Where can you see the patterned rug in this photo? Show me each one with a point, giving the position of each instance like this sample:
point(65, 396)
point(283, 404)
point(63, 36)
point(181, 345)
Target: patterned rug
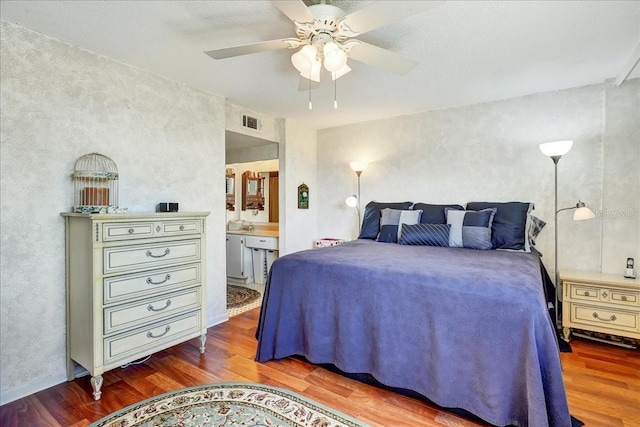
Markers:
point(238, 296)
point(228, 404)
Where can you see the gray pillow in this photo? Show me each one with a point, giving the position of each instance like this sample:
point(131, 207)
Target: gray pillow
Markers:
point(470, 229)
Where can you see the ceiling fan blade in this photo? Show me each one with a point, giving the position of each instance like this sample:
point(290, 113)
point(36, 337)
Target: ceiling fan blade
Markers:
point(380, 13)
point(306, 84)
point(246, 49)
point(381, 58)
point(295, 10)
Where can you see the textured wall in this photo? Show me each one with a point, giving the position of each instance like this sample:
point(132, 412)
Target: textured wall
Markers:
point(489, 152)
point(58, 103)
point(298, 164)
point(621, 177)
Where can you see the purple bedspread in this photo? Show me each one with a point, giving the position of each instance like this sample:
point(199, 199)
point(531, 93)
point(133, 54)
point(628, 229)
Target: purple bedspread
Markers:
point(465, 328)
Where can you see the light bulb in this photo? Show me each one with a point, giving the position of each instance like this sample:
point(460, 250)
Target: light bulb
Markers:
point(352, 201)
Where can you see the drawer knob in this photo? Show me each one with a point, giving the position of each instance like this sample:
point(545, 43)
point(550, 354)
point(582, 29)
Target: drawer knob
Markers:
point(158, 228)
point(604, 294)
point(151, 255)
point(182, 228)
point(166, 331)
point(586, 293)
point(152, 308)
point(151, 282)
point(131, 231)
point(610, 319)
point(623, 298)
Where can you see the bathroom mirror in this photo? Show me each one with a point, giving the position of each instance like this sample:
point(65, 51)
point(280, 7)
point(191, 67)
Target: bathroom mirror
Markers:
point(252, 195)
point(230, 190)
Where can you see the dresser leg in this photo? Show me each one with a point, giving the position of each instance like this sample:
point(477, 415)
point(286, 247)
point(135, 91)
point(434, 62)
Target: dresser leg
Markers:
point(566, 332)
point(203, 339)
point(96, 383)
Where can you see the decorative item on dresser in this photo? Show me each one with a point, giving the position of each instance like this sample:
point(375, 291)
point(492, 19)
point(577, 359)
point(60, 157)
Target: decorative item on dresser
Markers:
point(607, 304)
point(135, 285)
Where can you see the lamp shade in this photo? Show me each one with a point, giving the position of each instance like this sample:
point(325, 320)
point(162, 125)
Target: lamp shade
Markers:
point(582, 212)
point(341, 72)
point(351, 201)
point(556, 148)
point(314, 72)
point(304, 58)
point(334, 57)
point(358, 166)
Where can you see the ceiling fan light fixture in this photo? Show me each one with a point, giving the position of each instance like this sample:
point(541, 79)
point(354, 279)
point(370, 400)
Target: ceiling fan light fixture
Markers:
point(305, 58)
point(341, 72)
point(314, 71)
point(334, 57)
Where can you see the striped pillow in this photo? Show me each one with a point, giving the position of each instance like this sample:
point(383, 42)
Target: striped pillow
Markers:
point(425, 234)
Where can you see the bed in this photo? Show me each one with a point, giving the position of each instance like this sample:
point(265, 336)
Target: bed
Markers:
point(465, 328)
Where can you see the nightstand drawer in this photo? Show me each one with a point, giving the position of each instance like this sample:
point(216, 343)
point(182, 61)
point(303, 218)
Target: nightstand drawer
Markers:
point(625, 297)
point(605, 317)
point(150, 256)
point(584, 292)
point(127, 316)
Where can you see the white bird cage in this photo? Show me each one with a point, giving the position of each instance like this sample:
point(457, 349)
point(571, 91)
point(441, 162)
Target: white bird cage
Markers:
point(95, 184)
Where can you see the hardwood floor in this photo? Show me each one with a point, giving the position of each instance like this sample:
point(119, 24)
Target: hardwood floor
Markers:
point(602, 382)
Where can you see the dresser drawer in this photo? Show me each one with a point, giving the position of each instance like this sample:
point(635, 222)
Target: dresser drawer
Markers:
point(126, 316)
point(605, 317)
point(151, 338)
point(139, 285)
point(114, 231)
point(137, 257)
point(176, 228)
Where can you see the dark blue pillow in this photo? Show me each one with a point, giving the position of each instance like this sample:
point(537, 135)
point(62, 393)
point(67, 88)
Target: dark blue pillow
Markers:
point(371, 218)
point(425, 234)
point(388, 234)
point(509, 230)
point(434, 214)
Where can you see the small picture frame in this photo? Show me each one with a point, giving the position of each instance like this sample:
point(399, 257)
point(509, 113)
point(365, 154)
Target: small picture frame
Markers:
point(303, 196)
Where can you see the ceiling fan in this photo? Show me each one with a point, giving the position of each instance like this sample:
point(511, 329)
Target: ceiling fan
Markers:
point(325, 34)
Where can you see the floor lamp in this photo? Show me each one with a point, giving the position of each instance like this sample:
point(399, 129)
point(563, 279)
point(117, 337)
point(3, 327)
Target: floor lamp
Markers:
point(555, 150)
point(354, 201)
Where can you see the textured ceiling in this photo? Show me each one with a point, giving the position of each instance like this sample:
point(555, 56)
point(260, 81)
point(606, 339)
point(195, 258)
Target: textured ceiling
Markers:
point(468, 51)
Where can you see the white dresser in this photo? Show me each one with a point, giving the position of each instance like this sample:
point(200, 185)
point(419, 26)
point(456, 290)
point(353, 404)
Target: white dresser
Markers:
point(604, 303)
point(135, 285)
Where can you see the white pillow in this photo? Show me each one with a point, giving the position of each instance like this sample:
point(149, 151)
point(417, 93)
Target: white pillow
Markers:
point(408, 217)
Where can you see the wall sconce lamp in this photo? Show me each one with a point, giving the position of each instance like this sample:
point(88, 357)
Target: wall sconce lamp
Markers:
point(555, 150)
point(354, 201)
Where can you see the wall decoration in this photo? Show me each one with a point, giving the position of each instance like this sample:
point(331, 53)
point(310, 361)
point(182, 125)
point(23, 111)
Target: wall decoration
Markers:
point(303, 196)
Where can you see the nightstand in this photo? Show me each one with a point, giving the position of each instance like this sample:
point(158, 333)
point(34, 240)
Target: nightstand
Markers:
point(604, 303)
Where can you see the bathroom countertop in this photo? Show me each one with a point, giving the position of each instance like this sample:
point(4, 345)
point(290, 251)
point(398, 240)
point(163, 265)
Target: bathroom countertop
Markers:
point(256, 232)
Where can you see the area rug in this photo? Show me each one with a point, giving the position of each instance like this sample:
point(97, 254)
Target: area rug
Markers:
point(228, 404)
point(237, 296)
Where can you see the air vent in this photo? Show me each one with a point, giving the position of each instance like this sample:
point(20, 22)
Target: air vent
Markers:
point(251, 122)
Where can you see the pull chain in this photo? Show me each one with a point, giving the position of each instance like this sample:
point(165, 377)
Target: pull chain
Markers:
point(335, 91)
point(310, 105)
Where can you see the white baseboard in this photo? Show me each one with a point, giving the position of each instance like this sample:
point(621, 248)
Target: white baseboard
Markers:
point(25, 390)
point(8, 396)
